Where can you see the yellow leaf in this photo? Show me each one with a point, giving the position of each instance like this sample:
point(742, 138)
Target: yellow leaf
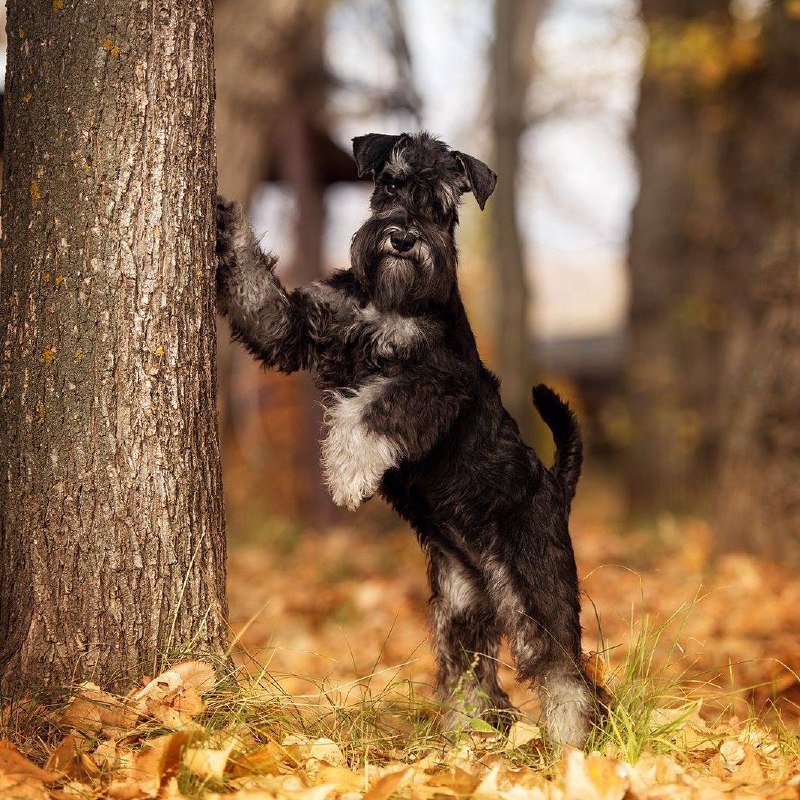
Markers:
point(488, 788)
point(21, 788)
point(208, 763)
point(161, 756)
point(93, 710)
point(387, 785)
point(196, 675)
point(325, 750)
point(344, 779)
point(521, 733)
point(749, 770)
point(72, 761)
point(266, 760)
point(13, 764)
point(593, 778)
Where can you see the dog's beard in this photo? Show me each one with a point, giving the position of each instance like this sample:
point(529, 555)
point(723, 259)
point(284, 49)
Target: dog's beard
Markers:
point(395, 281)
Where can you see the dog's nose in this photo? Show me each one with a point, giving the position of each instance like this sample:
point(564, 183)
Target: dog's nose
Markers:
point(402, 241)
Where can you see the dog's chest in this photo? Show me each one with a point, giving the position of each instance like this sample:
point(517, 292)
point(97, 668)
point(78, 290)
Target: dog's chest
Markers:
point(391, 334)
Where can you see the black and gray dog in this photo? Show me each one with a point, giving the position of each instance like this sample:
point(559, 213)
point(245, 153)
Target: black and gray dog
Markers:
point(411, 412)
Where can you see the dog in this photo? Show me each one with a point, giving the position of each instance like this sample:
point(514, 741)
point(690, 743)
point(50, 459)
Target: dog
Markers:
point(412, 413)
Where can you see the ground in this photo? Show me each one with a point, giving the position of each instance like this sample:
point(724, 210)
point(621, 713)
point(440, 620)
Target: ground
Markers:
point(331, 694)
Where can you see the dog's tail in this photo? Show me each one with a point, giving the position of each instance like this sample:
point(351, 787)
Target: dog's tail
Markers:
point(566, 433)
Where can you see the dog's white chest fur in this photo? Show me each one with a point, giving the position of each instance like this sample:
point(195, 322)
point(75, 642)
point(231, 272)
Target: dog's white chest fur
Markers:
point(355, 458)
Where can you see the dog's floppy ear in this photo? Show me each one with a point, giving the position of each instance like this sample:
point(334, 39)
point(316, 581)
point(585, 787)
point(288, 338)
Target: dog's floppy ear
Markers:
point(480, 179)
point(373, 151)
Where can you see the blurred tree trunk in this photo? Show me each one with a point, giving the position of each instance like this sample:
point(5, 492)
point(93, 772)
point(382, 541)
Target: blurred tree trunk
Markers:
point(513, 64)
point(272, 84)
point(676, 316)
point(252, 65)
point(758, 506)
point(112, 541)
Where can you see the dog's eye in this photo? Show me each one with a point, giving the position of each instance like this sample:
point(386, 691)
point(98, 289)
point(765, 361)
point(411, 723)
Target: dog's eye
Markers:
point(393, 184)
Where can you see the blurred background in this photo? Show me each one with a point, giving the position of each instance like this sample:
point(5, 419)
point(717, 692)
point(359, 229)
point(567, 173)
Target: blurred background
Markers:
point(640, 253)
point(640, 249)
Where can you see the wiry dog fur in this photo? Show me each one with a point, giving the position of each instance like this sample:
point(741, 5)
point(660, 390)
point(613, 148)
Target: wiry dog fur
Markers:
point(412, 413)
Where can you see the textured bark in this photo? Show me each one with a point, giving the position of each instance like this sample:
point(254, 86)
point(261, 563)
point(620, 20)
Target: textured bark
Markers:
point(758, 506)
point(112, 542)
point(512, 71)
point(676, 314)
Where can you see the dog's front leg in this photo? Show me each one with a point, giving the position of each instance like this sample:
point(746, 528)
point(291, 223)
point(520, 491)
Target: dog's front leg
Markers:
point(355, 456)
point(279, 328)
point(389, 419)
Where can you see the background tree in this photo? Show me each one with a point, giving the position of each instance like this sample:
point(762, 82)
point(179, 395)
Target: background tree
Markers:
point(758, 502)
point(676, 314)
point(512, 68)
point(112, 542)
point(715, 373)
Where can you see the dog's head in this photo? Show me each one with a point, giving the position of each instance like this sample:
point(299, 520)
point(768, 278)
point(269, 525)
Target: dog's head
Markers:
point(405, 253)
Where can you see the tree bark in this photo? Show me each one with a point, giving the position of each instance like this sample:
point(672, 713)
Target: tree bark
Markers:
point(112, 542)
point(758, 504)
point(512, 71)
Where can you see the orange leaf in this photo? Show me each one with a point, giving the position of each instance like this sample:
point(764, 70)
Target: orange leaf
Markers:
point(72, 761)
point(14, 764)
point(196, 675)
point(388, 785)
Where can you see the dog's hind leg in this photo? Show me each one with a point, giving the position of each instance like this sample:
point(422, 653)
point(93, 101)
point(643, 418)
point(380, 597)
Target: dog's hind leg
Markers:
point(540, 612)
point(466, 639)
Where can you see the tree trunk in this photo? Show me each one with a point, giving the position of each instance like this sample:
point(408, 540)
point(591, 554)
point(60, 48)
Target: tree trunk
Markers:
point(676, 315)
point(112, 543)
point(758, 506)
point(512, 71)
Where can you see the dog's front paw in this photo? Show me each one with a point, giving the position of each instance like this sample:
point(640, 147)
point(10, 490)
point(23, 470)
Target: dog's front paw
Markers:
point(351, 479)
point(230, 217)
point(349, 496)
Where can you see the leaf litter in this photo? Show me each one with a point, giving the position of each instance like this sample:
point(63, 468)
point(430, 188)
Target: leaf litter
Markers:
point(705, 696)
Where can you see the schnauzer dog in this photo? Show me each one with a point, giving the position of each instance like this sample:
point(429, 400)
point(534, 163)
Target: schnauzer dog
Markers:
point(412, 412)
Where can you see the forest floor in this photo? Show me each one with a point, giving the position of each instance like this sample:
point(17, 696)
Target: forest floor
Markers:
point(331, 697)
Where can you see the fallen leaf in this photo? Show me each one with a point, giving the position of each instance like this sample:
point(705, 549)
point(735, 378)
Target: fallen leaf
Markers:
point(732, 753)
point(207, 762)
point(158, 688)
point(749, 770)
point(593, 778)
point(304, 749)
point(13, 764)
point(521, 733)
point(20, 787)
point(488, 788)
point(70, 759)
point(344, 779)
point(160, 757)
point(388, 784)
point(266, 760)
point(196, 675)
point(92, 710)
point(133, 789)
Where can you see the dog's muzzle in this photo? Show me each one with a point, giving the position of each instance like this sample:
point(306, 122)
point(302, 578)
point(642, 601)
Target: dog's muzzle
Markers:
point(402, 241)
